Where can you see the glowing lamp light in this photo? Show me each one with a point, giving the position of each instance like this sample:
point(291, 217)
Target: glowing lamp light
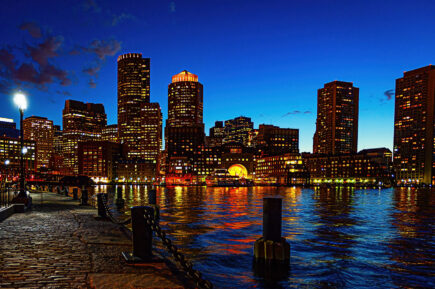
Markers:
point(24, 151)
point(7, 162)
point(20, 100)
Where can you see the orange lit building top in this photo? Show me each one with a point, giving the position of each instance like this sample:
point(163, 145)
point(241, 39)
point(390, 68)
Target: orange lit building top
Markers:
point(185, 76)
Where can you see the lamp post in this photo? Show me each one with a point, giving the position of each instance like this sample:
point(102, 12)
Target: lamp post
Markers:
point(21, 101)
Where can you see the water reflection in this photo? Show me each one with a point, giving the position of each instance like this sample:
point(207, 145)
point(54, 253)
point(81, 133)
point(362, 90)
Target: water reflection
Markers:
point(340, 237)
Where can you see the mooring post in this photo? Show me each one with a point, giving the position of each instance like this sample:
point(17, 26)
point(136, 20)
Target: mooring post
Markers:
point(84, 196)
point(66, 191)
point(272, 248)
point(119, 200)
point(101, 208)
point(142, 236)
point(152, 200)
point(75, 194)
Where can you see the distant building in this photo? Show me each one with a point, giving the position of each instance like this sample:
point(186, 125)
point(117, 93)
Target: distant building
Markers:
point(285, 169)
point(414, 134)
point(238, 130)
point(217, 134)
point(133, 92)
point(8, 128)
point(185, 100)
point(81, 122)
point(150, 140)
point(57, 139)
point(137, 171)
point(273, 140)
point(337, 119)
point(110, 133)
point(368, 167)
point(98, 159)
point(10, 149)
point(40, 130)
point(184, 131)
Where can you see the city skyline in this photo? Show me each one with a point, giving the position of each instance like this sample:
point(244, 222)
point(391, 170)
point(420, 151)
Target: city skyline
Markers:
point(290, 80)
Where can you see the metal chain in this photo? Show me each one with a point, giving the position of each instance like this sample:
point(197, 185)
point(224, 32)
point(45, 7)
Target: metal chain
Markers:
point(179, 257)
point(109, 213)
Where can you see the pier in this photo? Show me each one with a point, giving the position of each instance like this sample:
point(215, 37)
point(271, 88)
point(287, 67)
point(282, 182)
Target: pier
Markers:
point(62, 244)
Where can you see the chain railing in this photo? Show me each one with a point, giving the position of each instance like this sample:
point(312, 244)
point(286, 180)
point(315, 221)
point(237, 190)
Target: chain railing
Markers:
point(110, 215)
point(186, 265)
point(179, 257)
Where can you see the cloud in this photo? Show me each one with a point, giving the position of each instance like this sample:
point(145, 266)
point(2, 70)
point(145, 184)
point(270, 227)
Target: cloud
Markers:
point(389, 94)
point(37, 68)
point(66, 93)
point(307, 112)
point(45, 50)
point(92, 83)
point(93, 71)
point(7, 59)
point(172, 7)
point(91, 5)
point(116, 19)
point(104, 48)
point(32, 28)
point(291, 113)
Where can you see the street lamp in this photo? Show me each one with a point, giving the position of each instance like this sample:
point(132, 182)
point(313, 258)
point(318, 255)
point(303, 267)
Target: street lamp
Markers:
point(21, 101)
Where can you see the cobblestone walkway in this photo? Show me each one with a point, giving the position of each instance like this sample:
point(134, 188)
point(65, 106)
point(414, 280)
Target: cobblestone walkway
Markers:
point(60, 244)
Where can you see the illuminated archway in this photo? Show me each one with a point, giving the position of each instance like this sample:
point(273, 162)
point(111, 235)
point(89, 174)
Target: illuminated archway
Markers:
point(238, 170)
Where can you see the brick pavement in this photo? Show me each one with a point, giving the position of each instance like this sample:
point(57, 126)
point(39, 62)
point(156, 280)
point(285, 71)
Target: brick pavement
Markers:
point(62, 245)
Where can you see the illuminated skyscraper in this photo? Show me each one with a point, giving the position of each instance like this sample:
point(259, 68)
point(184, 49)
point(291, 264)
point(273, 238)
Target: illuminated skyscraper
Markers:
point(150, 141)
point(337, 119)
point(184, 131)
point(238, 130)
point(133, 91)
point(110, 133)
point(185, 100)
point(414, 137)
point(81, 122)
point(40, 130)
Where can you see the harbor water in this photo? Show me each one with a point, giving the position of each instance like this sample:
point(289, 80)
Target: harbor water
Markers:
point(339, 237)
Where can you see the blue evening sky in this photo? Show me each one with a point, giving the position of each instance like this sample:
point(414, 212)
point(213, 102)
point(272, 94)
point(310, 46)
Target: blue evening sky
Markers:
point(262, 59)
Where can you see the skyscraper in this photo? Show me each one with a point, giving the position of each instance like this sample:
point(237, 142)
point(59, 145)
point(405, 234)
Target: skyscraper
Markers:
point(150, 141)
point(81, 122)
point(337, 119)
point(40, 130)
point(133, 91)
point(238, 129)
point(185, 100)
point(414, 137)
point(184, 131)
point(110, 133)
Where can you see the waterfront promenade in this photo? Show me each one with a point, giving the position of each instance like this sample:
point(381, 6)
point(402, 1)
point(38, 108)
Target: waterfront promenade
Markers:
point(61, 244)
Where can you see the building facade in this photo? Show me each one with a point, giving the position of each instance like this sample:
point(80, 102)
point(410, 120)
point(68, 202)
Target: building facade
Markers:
point(10, 151)
point(414, 134)
point(184, 130)
point(40, 130)
point(368, 167)
point(133, 91)
point(238, 130)
point(150, 141)
point(286, 169)
point(81, 122)
point(98, 160)
point(337, 119)
point(8, 128)
point(272, 140)
point(110, 133)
